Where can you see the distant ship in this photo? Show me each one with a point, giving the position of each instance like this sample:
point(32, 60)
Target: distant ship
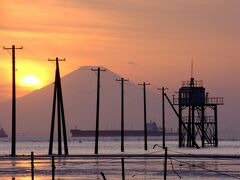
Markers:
point(3, 133)
point(152, 130)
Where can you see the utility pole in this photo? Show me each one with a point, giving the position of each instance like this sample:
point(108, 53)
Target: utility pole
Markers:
point(165, 163)
point(163, 115)
point(58, 99)
point(145, 113)
point(98, 70)
point(13, 48)
point(123, 169)
point(122, 112)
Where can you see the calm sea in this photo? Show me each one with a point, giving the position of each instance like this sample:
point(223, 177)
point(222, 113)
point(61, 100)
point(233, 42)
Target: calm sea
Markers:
point(135, 167)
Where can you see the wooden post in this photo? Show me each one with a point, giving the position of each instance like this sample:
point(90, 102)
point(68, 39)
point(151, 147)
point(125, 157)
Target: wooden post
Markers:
point(97, 112)
point(165, 164)
point(203, 125)
point(145, 118)
point(216, 125)
point(104, 178)
point(123, 169)
point(122, 80)
point(13, 103)
point(145, 114)
point(13, 149)
point(163, 118)
point(122, 116)
point(53, 168)
point(53, 119)
point(58, 101)
point(98, 70)
point(180, 144)
point(32, 165)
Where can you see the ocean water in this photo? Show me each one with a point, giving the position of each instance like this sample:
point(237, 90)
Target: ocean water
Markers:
point(79, 167)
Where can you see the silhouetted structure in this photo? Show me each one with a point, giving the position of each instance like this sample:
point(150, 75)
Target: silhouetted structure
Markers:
point(197, 115)
point(58, 100)
point(145, 113)
point(98, 70)
point(123, 168)
point(165, 163)
point(122, 112)
point(163, 116)
point(13, 48)
point(32, 165)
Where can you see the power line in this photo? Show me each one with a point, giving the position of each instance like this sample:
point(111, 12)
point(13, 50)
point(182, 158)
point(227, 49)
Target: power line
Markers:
point(180, 177)
point(8, 51)
point(74, 64)
point(210, 170)
point(34, 54)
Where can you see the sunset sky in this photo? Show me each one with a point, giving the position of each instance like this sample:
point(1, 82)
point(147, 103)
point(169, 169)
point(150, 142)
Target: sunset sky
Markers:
point(152, 41)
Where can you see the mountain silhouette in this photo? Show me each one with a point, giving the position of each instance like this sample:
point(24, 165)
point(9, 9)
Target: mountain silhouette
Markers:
point(79, 96)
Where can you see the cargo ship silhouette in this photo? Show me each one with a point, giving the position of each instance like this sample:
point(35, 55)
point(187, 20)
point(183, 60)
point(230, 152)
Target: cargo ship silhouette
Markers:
point(3, 134)
point(152, 130)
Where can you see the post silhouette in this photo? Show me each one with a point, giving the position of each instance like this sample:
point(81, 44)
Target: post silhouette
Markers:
point(32, 165)
point(216, 125)
point(98, 70)
point(58, 100)
point(123, 169)
point(103, 176)
point(163, 116)
point(53, 168)
point(13, 150)
point(181, 123)
point(122, 112)
point(145, 113)
point(165, 163)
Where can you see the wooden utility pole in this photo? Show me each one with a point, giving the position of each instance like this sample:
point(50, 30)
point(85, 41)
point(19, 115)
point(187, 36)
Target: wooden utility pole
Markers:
point(165, 163)
point(163, 116)
point(98, 70)
point(145, 113)
point(122, 112)
point(58, 99)
point(32, 165)
point(53, 168)
point(13, 48)
point(123, 169)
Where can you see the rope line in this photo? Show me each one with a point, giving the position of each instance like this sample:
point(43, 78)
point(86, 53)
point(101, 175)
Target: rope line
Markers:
point(210, 170)
point(180, 177)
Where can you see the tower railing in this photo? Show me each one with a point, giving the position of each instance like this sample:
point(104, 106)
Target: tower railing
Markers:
point(196, 83)
point(208, 101)
point(207, 119)
point(214, 100)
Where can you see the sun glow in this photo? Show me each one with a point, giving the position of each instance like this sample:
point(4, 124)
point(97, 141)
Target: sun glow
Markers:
point(31, 75)
point(31, 81)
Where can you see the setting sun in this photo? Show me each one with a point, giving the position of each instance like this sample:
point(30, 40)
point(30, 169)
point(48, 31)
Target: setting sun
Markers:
point(31, 75)
point(30, 81)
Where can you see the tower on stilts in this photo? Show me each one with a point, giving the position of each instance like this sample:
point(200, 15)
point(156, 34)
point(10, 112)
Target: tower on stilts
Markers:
point(198, 115)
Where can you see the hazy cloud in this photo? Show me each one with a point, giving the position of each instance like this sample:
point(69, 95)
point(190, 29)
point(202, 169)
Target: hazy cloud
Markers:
point(132, 63)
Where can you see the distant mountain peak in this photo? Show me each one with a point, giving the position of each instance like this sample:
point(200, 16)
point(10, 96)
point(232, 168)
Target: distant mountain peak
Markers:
point(89, 67)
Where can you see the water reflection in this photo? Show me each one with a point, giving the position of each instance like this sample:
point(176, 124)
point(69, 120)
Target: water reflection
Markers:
point(13, 167)
point(136, 168)
point(145, 168)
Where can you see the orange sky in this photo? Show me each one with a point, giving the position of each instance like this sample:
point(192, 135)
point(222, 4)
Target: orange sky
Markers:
point(142, 40)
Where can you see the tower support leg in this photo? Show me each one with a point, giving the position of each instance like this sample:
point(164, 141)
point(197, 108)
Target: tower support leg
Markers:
point(216, 126)
point(202, 125)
